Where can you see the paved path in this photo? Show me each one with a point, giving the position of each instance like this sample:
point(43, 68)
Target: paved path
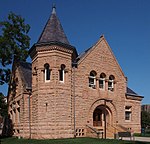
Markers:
point(146, 139)
point(143, 139)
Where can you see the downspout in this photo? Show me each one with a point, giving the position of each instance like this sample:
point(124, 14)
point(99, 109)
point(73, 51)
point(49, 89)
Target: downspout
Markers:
point(29, 110)
point(74, 98)
point(105, 119)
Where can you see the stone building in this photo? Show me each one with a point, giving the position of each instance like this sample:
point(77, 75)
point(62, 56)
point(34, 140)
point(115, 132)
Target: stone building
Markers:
point(146, 108)
point(63, 94)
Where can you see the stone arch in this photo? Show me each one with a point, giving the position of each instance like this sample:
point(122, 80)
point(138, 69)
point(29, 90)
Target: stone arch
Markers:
point(110, 108)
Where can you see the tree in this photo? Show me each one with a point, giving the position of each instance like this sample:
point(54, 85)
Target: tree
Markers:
point(145, 119)
point(3, 106)
point(14, 44)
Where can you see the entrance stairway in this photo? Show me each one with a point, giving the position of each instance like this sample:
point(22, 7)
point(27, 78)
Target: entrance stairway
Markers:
point(111, 131)
point(94, 132)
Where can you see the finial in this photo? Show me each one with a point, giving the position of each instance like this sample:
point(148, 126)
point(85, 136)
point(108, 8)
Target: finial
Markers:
point(54, 9)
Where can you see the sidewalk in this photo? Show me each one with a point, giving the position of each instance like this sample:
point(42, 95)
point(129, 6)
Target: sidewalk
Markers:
point(143, 139)
point(146, 139)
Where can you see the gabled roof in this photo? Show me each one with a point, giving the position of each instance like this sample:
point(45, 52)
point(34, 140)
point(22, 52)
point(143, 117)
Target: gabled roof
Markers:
point(26, 72)
point(130, 91)
point(53, 31)
point(82, 56)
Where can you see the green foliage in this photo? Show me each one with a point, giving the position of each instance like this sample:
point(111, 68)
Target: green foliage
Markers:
point(145, 119)
point(14, 44)
point(3, 106)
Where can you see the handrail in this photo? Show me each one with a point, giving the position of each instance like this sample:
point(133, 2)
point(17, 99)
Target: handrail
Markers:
point(117, 129)
point(113, 130)
point(124, 128)
point(97, 132)
point(92, 128)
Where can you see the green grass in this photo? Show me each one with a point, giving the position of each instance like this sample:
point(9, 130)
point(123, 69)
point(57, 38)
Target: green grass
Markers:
point(142, 134)
point(67, 141)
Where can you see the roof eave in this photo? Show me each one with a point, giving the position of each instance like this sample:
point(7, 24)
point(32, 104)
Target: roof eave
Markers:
point(54, 43)
point(133, 96)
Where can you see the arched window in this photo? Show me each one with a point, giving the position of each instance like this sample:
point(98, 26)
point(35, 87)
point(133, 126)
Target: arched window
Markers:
point(102, 81)
point(47, 72)
point(62, 73)
point(111, 83)
point(92, 79)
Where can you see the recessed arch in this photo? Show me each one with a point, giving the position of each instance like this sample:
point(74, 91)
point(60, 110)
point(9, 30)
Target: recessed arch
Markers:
point(111, 109)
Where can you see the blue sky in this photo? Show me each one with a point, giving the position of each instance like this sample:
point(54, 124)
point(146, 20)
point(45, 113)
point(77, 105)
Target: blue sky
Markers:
point(124, 23)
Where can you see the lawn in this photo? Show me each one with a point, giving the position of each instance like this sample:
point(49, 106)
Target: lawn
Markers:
point(67, 141)
point(142, 135)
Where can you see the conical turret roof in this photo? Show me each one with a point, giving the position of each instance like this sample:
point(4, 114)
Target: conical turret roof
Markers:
point(53, 31)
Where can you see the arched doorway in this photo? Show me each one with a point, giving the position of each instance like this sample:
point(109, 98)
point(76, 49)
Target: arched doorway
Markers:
point(99, 116)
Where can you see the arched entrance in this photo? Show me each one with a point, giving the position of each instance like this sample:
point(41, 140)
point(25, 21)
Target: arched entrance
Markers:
point(99, 116)
point(102, 117)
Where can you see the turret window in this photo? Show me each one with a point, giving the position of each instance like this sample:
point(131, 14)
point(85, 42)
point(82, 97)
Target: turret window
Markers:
point(62, 73)
point(47, 72)
point(92, 79)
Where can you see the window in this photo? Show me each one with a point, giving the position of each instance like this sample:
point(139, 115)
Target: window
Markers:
point(111, 83)
point(18, 112)
point(47, 72)
point(18, 115)
point(92, 79)
point(102, 81)
point(62, 73)
point(14, 116)
point(128, 113)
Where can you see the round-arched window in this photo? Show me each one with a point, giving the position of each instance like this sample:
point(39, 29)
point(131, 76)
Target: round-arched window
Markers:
point(47, 72)
point(102, 80)
point(111, 83)
point(62, 73)
point(92, 79)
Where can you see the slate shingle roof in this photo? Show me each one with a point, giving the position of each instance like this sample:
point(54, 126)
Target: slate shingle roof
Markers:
point(80, 56)
point(53, 31)
point(26, 71)
point(129, 91)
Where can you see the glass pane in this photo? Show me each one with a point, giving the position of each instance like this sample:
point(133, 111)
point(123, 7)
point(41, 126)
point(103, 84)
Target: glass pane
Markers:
point(91, 81)
point(61, 75)
point(127, 115)
point(101, 84)
point(47, 74)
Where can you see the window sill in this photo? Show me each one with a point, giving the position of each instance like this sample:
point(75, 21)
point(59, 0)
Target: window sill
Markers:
point(103, 89)
point(110, 91)
point(92, 88)
point(127, 120)
point(46, 81)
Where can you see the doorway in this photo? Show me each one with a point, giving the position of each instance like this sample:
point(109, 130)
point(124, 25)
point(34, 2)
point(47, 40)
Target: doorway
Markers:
point(98, 116)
